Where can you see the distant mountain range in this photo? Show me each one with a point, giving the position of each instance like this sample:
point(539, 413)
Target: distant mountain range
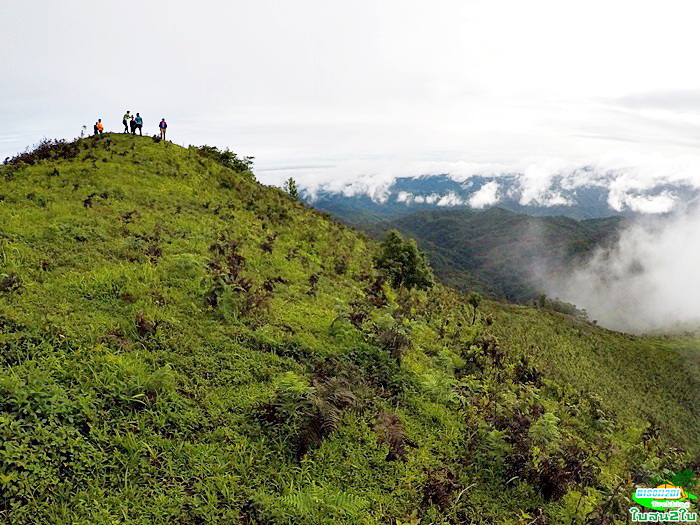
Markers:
point(582, 194)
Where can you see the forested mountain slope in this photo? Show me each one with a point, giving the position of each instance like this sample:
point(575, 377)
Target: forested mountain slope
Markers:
point(499, 252)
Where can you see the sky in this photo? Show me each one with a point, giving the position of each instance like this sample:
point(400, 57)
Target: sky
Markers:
point(315, 85)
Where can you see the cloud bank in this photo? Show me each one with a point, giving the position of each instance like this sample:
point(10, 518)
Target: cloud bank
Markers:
point(630, 181)
point(648, 281)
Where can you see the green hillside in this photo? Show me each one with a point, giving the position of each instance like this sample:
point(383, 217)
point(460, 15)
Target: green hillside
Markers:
point(180, 344)
point(499, 252)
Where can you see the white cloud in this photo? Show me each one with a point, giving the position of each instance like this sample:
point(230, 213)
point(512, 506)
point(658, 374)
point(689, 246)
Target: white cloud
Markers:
point(647, 281)
point(405, 196)
point(487, 195)
point(450, 199)
point(650, 204)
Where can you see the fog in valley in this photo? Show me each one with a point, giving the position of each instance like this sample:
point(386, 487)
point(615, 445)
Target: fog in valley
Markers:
point(649, 280)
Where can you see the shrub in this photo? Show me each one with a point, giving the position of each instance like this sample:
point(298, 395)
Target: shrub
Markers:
point(545, 431)
point(557, 305)
point(10, 283)
point(390, 432)
point(227, 158)
point(404, 263)
point(394, 338)
point(308, 413)
point(46, 149)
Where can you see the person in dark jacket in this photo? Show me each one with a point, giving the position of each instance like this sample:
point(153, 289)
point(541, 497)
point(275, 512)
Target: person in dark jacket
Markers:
point(139, 123)
point(162, 126)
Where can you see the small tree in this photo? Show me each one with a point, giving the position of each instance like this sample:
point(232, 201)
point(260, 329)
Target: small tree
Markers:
point(404, 263)
point(474, 300)
point(290, 186)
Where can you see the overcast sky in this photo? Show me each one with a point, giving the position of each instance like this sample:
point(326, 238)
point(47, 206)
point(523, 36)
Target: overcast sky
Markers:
point(330, 83)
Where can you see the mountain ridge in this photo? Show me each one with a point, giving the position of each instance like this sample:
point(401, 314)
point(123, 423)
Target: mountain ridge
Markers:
point(562, 194)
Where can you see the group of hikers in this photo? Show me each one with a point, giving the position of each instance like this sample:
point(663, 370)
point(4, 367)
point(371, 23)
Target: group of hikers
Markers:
point(131, 123)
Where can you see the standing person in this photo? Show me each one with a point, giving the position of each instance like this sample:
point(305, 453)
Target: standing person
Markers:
point(163, 126)
point(100, 126)
point(132, 124)
point(125, 121)
point(139, 123)
point(95, 129)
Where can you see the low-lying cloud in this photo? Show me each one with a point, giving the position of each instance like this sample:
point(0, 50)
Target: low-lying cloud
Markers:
point(630, 182)
point(648, 281)
point(487, 195)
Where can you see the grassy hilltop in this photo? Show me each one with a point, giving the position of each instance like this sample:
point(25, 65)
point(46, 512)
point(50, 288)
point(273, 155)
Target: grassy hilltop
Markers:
point(180, 344)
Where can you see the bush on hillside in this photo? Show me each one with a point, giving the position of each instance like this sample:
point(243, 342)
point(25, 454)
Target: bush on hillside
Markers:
point(227, 157)
point(404, 264)
point(557, 305)
point(46, 149)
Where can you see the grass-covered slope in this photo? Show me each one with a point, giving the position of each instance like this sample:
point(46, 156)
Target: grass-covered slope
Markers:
point(654, 378)
point(179, 344)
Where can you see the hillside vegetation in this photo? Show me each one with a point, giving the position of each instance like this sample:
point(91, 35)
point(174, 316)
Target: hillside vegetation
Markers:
point(179, 344)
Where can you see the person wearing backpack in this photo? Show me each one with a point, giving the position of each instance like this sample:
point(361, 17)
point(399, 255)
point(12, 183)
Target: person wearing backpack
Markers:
point(139, 123)
point(125, 121)
point(163, 126)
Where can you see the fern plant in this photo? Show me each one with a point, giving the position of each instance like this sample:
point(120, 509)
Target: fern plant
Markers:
point(318, 504)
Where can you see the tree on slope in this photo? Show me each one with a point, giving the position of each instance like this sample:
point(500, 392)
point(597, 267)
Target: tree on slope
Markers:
point(404, 264)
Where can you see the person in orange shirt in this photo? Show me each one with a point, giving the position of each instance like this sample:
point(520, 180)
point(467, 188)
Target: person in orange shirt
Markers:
point(100, 127)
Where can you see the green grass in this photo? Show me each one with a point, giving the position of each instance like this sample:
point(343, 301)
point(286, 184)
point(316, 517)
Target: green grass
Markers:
point(179, 344)
point(646, 378)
